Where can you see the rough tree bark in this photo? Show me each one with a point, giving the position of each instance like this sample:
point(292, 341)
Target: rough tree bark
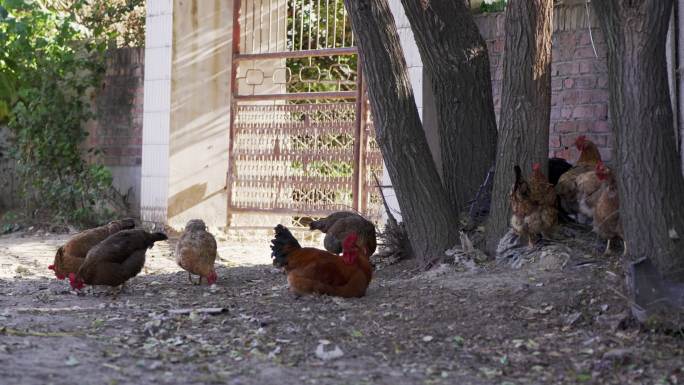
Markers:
point(456, 58)
point(431, 221)
point(650, 181)
point(525, 103)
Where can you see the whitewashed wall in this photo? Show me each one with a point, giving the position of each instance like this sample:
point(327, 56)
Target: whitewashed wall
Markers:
point(157, 111)
point(200, 112)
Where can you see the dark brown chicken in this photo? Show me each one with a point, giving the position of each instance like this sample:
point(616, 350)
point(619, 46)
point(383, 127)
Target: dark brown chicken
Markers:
point(607, 222)
point(533, 204)
point(337, 226)
point(557, 167)
point(71, 255)
point(116, 259)
point(567, 183)
point(324, 224)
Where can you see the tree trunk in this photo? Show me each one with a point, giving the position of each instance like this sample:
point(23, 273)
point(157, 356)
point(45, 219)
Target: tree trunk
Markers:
point(431, 222)
point(650, 182)
point(525, 103)
point(456, 58)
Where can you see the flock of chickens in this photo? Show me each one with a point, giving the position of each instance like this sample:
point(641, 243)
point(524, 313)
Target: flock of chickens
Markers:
point(586, 191)
point(112, 254)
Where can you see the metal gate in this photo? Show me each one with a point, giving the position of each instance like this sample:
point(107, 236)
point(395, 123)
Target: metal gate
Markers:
point(300, 135)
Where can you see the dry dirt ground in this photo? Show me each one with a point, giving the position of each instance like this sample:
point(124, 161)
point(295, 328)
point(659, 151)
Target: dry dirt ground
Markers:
point(494, 325)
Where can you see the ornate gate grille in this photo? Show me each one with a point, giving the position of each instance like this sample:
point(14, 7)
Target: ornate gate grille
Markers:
point(300, 137)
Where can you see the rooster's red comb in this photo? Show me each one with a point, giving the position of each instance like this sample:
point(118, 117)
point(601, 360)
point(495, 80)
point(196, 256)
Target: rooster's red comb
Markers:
point(349, 241)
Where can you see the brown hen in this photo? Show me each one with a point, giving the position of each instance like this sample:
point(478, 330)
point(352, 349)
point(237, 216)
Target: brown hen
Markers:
point(533, 204)
point(71, 255)
point(567, 184)
point(196, 252)
point(588, 192)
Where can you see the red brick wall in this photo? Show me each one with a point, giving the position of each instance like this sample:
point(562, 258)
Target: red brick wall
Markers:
point(119, 108)
point(117, 130)
point(579, 102)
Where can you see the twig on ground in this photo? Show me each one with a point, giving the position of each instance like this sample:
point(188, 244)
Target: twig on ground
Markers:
point(207, 310)
point(29, 333)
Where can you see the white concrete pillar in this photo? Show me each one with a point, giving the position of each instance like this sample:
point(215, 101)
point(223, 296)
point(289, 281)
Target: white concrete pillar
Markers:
point(157, 111)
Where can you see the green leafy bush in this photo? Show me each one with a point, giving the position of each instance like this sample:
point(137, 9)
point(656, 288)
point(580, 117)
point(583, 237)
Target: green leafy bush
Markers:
point(51, 64)
point(493, 6)
point(122, 21)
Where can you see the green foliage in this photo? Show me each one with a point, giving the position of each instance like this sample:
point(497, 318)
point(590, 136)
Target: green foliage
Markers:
point(494, 6)
point(9, 223)
point(51, 63)
point(122, 21)
point(326, 27)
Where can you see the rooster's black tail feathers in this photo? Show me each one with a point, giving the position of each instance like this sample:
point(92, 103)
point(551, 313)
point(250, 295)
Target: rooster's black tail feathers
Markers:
point(283, 243)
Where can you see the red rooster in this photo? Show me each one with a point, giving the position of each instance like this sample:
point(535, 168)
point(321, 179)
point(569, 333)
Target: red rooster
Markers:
point(607, 222)
point(310, 270)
